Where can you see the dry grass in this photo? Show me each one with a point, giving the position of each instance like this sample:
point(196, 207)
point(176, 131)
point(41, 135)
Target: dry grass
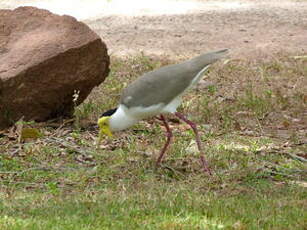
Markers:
point(252, 120)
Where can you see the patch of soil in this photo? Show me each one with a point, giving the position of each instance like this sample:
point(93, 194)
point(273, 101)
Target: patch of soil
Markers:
point(258, 30)
point(176, 28)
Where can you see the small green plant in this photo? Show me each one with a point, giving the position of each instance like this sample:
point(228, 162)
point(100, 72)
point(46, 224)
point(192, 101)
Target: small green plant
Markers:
point(259, 105)
point(212, 89)
point(52, 188)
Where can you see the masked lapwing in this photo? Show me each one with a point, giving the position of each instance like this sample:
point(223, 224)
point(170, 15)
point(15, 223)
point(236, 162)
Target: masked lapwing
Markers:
point(157, 93)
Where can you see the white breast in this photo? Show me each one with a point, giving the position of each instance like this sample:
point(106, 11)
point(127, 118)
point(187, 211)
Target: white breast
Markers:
point(124, 118)
point(121, 119)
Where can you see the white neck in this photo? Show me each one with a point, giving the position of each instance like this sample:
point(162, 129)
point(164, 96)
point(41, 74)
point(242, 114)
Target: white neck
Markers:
point(121, 119)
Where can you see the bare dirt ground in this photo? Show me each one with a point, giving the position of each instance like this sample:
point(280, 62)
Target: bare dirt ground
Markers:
point(257, 30)
point(251, 29)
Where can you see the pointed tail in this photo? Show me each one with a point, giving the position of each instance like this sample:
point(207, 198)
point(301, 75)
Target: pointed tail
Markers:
point(208, 58)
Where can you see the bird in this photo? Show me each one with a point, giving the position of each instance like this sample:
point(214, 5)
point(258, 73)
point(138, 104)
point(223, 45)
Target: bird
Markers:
point(156, 94)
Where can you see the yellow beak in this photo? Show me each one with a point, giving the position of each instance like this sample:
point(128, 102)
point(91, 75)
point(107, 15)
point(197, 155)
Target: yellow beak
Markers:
point(105, 131)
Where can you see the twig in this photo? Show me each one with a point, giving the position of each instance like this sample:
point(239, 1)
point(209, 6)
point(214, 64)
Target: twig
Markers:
point(24, 171)
point(292, 155)
point(296, 157)
point(172, 170)
point(67, 145)
point(260, 126)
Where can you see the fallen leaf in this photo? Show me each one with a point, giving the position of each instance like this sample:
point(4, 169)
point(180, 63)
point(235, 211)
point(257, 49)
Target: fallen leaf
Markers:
point(192, 148)
point(226, 61)
point(32, 133)
point(286, 124)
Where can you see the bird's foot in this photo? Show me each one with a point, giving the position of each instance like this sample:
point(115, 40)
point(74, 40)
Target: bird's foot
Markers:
point(203, 161)
point(205, 165)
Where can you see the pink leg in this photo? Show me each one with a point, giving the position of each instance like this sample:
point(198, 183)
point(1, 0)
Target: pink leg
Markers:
point(193, 126)
point(169, 135)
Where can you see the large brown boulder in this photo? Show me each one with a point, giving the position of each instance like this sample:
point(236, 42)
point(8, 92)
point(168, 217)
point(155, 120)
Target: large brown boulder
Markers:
point(43, 58)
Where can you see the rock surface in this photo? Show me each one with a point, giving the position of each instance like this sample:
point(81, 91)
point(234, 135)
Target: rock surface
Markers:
point(44, 58)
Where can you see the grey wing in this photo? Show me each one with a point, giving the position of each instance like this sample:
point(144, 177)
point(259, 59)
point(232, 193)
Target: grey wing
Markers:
point(159, 86)
point(166, 83)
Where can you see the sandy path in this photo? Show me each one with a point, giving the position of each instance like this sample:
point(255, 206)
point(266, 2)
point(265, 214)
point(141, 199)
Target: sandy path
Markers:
point(249, 28)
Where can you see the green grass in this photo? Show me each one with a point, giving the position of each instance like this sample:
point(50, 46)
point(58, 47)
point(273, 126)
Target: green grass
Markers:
point(170, 205)
point(251, 121)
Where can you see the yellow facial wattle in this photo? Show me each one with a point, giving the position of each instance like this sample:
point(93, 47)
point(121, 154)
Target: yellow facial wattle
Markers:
point(104, 128)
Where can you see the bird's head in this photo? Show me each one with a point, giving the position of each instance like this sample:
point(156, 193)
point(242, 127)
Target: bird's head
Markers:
point(104, 127)
point(104, 124)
